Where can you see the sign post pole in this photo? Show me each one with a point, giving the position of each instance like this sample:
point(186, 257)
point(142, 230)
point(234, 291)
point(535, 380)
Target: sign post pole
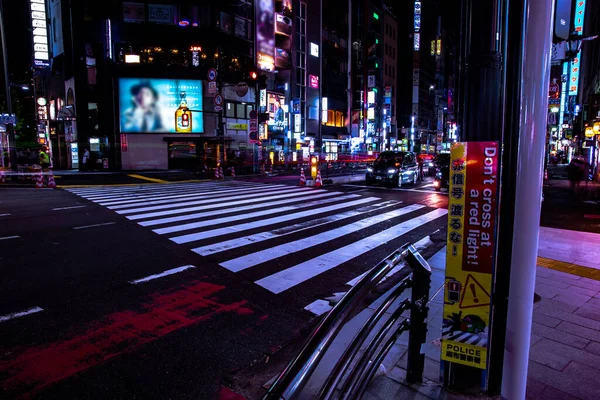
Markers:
point(10, 129)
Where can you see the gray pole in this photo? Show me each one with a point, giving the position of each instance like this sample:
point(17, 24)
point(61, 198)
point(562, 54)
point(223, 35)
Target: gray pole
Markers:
point(12, 143)
point(320, 108)
point(536, 78)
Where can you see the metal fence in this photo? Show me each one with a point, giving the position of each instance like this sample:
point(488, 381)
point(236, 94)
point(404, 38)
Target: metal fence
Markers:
point(351, 374)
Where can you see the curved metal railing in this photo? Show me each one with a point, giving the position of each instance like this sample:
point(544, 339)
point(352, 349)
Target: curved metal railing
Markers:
point(290, 383)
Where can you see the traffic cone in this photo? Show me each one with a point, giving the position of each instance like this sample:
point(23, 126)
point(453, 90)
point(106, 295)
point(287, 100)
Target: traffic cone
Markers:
point(39, 183)
point(221, 176)
point(318, 181)
point(2, 176)
point(51, 182)
point(217, 173)
point(302, 178)
point(232, 172)
point(545, 174)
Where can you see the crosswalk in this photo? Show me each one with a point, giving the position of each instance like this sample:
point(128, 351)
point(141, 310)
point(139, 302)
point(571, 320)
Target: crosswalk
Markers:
point(293, 241)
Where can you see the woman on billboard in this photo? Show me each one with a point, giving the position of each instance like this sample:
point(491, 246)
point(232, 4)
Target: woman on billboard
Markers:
point(144, 113)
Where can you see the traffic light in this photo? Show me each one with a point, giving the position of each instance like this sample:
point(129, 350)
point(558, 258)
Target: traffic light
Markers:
point(250, 78)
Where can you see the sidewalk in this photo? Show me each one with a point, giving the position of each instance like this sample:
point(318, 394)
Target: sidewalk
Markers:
point(565, 340)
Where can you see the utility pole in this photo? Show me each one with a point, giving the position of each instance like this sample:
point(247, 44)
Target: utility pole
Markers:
point(221, 124)
point(12, 143)
point(508, 44)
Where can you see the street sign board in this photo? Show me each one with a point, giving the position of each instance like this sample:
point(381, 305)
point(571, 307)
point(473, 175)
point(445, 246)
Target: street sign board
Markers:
point(212, 87)
point(218, 102)
point(212, 75)
point(472, 207)
point(253, 126)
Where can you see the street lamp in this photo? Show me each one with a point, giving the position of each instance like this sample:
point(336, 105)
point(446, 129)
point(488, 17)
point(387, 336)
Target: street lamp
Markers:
point(573, 45)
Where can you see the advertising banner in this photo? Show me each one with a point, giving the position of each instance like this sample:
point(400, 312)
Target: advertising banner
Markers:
point(277, 114)
point(265, 34)
point(160, 105)
point(472, 209)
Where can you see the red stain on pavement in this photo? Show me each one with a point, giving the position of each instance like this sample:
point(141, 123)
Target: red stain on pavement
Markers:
point(228, 394)
point(166, 312)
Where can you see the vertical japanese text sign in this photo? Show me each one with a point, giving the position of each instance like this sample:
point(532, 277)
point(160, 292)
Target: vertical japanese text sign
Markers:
point(470, 253)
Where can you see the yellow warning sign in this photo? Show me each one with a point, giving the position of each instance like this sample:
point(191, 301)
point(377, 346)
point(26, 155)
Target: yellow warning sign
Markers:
point(474, 294)
point(466, 354)
point(472, 209)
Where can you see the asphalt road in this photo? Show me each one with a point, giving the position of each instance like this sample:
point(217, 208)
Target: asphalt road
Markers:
point(83, 314)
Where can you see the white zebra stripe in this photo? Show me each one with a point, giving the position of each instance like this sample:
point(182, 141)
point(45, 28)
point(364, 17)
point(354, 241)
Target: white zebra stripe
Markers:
point(259, 257)
point(178, 195)
point(238, 217)
point(263, 236)
point(188, 217)
point(213, 205)
point(269, 221)
point(290, 277)
point(204, 196)
point(204, 201)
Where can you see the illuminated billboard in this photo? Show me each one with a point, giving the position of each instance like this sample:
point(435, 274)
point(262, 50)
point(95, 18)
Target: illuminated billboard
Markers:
point(265, 34)
point(41, 48)
point(575, 64)
point(277, 112)
point(160, 105)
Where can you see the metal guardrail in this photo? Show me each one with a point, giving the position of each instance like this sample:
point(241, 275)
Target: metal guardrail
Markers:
point(290, 383)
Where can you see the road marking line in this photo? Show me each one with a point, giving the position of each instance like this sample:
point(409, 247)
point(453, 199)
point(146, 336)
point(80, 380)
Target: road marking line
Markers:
point(397, 268)
point(67, 208)
point(264, 194)
point(188, 217)
point(144, 199)
point(202, 199)
point(319, 307)
point(20, 314)
point(287, 230)
point(270, 221)
point(151, 189)
point(216, 203)
point(165, 273)
point(9, 237)
point(4, 215)
point(95, 225)
point(239, 217)
point(123, 184)
point(399, 189)
point(259, 257)
point(145, 178)
point(299, 273)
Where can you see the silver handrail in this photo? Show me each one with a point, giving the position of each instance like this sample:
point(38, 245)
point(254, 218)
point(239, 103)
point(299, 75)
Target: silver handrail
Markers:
point(298, 371)
point(350, 352)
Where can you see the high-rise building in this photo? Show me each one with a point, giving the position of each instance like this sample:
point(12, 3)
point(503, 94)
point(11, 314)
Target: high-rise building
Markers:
point(117, 73)
point(390, 80)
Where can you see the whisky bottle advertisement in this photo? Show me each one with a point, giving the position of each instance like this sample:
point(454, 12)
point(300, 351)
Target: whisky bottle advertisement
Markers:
point(183, 116)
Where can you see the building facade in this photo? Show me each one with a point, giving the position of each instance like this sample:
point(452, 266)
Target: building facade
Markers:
point(179, 84)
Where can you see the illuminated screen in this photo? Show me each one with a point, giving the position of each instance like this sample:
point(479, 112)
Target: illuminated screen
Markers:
point(265, 33)
point(151, 105)
point(277, 112)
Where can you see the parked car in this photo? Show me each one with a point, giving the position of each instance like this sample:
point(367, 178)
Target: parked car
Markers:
point(393, 168)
